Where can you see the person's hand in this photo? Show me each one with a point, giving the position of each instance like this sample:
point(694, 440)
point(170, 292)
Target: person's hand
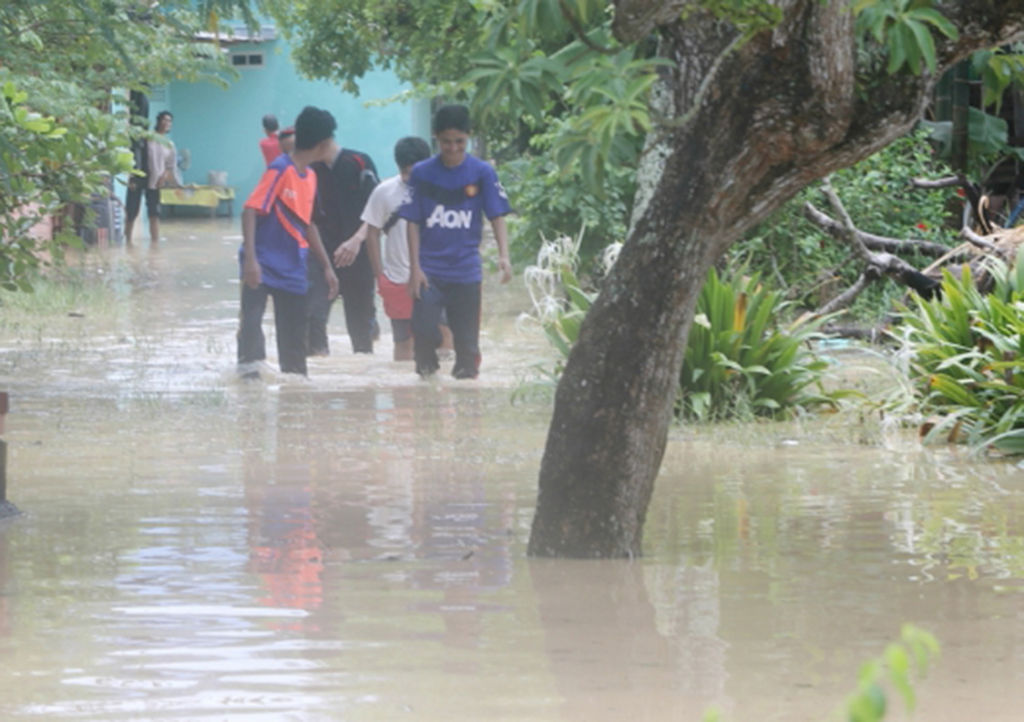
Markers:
point(345, 254)
point(505, 266)
point(332, 283)
point(417, 282)
point(251, 274)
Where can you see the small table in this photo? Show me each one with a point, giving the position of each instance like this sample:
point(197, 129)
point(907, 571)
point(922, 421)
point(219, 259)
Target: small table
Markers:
point(199, 196)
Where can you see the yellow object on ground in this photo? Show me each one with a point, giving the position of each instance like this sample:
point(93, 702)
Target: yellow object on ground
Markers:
point(196, 195)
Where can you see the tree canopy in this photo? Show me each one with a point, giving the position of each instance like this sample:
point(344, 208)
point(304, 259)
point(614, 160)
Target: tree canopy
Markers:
point(66, 68)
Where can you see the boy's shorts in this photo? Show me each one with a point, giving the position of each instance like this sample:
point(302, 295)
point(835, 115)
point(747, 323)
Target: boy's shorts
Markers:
point(397, 302)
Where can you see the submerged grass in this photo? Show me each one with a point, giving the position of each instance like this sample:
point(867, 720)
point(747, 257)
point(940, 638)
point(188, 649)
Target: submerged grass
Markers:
point(61, 294)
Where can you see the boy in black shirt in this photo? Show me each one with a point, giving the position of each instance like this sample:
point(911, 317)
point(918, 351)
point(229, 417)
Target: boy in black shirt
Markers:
point(343, 187)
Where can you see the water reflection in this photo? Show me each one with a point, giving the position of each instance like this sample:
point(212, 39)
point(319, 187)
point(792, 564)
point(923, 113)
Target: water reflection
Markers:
point(5, 621)
point(352, 546)
point(613, 656)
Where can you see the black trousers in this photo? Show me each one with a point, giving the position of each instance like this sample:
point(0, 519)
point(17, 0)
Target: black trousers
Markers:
point(289, 325)
point(461, 302)
point(356, 288)
point(133, 201)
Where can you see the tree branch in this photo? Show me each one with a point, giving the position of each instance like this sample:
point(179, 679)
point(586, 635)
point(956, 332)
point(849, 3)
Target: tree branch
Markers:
point(847, 297)
point(934, 184)
point(879, 263)
point(581, 32)
point(975, 239)
point(873, 241)
point(848, 230)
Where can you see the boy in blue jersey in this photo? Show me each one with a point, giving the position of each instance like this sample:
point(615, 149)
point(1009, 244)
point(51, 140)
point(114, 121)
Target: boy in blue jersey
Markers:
point(277, 236)
point(449, 195)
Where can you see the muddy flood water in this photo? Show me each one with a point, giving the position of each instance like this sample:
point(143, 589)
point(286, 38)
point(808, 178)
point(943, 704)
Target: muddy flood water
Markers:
point(352, 547)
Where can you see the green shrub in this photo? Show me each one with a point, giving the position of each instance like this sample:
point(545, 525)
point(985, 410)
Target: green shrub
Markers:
point(552, 201)
point(967, 359)
point(739, 361)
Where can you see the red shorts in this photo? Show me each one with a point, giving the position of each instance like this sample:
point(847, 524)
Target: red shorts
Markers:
point(397, 302)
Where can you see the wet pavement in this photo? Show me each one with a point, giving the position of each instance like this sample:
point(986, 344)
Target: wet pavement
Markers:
point(352, 546)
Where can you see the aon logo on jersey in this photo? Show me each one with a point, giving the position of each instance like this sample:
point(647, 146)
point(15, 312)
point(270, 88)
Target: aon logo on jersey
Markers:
point(450, 219)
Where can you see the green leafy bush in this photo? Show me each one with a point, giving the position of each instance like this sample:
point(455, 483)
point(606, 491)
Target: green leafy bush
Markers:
point(740, 361)
point(967, 358)
point(554, 201)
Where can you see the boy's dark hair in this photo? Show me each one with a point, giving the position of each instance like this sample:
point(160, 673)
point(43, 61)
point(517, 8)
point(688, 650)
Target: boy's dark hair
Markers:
point(410, 151)
point(160, 116)
point(270, 123)
point(312, 126)
point(450, 117)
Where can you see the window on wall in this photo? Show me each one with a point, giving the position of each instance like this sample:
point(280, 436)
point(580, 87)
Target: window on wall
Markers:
point(247, 60)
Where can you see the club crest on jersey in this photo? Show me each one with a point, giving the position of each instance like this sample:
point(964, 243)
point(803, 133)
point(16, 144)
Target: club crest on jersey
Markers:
point(461, 219)
point(471, 190)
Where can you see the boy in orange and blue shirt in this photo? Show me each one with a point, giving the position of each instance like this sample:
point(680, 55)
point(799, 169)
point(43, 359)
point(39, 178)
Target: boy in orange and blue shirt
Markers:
point(277, 236)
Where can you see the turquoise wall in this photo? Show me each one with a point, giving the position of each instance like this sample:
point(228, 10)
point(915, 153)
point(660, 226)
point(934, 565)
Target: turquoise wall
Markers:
point(221, 127)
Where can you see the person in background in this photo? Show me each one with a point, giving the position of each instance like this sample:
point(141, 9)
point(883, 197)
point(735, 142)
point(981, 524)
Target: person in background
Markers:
point(286, 140)
point(449, 196)
point(161, 164)
point(278, 234)
point(269, 145)
point(344, 184)
point(388, 246)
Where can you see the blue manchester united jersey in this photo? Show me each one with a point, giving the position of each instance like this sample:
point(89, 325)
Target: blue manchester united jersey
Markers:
point(450, 205)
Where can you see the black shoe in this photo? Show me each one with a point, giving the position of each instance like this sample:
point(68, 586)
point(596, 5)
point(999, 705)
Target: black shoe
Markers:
point(462, 373)
point(426, 370)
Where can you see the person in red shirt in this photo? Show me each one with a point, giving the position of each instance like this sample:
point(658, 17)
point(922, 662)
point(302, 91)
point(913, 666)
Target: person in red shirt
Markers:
point(278, 235)
point(269, 146)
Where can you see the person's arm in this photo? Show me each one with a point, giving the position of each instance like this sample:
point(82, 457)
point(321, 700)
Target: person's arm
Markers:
point(170, 176)
point(252, 276)
point(501, 238)
point(316, 246)
point(346, 253)
point(373, 248)
point(417, 279)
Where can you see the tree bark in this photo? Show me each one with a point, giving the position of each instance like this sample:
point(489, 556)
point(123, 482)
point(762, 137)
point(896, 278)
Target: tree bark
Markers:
point(744, 126)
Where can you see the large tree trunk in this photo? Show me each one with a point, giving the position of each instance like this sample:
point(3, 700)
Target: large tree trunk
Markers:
point(744, 127)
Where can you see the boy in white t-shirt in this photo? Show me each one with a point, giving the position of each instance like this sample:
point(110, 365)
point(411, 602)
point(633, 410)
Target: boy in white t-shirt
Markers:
point(390, 256)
